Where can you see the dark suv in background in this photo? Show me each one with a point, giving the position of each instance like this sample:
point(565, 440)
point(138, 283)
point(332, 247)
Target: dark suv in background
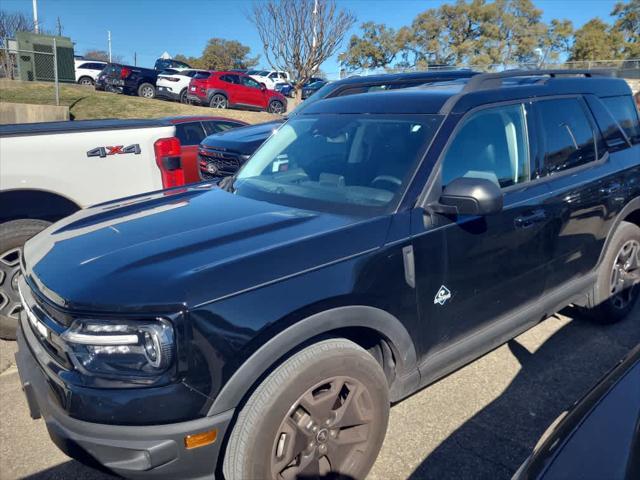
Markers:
point(373, 245)
point(222, 155)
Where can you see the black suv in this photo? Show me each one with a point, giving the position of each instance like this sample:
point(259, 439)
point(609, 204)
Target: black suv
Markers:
point(374, 244)
point(222, 155)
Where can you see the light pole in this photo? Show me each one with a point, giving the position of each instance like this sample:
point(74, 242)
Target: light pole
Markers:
point(109, 40)
point(36, 28)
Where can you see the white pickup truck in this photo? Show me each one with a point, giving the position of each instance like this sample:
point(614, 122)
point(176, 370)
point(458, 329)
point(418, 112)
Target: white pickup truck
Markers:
point(50, 170)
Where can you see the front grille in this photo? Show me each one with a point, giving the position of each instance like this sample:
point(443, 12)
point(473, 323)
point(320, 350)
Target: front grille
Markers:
point(225, 163)
point(49, 337)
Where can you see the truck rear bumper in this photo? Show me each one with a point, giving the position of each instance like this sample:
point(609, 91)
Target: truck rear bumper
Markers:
point(156, 451)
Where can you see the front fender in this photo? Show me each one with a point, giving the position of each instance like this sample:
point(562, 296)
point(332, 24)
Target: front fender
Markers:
point(321, 323)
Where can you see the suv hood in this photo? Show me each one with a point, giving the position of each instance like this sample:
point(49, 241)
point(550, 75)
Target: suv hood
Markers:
point(243, 140)
point(184, 247)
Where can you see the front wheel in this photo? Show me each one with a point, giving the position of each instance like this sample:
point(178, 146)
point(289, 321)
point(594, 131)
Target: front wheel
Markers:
point(276, 106)
point(323, 411)
point(13, 236)
point(146, 90)
point(616, 290)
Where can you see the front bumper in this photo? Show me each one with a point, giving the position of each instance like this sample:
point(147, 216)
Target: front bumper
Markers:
point(156, 451)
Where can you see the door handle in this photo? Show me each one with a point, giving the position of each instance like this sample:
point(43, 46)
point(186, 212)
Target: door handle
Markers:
point(527, 221)
point(611, 189)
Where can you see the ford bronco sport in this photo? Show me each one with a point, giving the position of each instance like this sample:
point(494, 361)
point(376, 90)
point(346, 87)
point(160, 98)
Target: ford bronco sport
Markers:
point(372, 245)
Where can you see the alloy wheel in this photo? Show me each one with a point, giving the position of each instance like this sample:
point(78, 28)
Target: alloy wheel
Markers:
point(147, 92)
point(326, 430)
point(10, 305)
point(625, 275)
point(86, 81)
point(218, 101)
point(276, 107)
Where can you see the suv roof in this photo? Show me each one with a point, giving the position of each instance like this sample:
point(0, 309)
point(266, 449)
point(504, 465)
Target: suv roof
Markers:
point(461, 95)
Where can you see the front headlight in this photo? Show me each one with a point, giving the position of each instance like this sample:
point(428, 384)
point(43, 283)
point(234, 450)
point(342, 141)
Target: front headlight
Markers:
point(117, 348)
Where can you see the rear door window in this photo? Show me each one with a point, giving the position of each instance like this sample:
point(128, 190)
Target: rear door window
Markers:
point(626, 114)
point(569, 136)
point(190, 133)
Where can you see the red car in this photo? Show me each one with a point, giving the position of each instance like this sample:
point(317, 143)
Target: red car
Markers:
point(191, 131)
point(234, 89)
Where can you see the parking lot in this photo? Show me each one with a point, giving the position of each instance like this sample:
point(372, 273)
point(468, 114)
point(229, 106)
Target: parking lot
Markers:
point(480, 422)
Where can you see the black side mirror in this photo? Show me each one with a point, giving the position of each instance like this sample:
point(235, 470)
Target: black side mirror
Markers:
point(470, 196)
point(263, 87)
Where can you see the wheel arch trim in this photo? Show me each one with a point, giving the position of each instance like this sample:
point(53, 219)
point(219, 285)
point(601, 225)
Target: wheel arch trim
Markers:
point(631, 207)
point(43, 210)
point(273, 351)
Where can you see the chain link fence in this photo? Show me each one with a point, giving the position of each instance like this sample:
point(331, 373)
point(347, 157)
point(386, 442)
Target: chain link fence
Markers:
point(40, 64)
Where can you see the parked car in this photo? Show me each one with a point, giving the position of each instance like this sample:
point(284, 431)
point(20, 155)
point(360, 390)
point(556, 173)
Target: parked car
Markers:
point(165, 63)
point(191, 130)
point(373, 245)
point(87, 71)
point(174, 84)
point(312, 88)
point(233, 89)
point(52, 169)
point(223, 154)
point(128, 79)
point(598, 437)
point(269, 77)
point(285, 88)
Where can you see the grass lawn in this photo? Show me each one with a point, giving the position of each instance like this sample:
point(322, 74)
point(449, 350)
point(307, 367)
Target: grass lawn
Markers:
point(85, 103)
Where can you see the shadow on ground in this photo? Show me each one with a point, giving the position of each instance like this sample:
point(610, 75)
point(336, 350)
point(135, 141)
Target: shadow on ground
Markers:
point(495, 441)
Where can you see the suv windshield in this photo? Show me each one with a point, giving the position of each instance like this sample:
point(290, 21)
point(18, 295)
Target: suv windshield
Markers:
point(356, 164)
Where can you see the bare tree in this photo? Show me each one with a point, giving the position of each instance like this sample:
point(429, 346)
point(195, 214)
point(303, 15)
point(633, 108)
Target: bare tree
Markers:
point(299, 35)
point(13, 22)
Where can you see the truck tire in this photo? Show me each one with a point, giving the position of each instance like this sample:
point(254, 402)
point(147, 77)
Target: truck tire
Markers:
point(325, 409)
point(13, 236)
point(146, 90)
point(616, 290)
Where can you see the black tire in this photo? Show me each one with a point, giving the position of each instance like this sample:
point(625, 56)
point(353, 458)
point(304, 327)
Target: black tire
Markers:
point(183, 96)
point(276, 106)
point(345, 392)
point(618, 273)
point(146, 90)
point(86, 81)
point(218, 101)
point(13, 236)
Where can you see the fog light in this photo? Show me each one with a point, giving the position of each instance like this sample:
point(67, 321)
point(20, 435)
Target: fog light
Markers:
point(200, 439)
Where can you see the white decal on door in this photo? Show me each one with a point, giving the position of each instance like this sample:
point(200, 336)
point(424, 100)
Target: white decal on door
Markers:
point(442, 296)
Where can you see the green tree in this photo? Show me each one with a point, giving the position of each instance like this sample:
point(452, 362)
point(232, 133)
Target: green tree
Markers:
point(556, 41)
point(376, 48)
point(222, 54)
point(628, 25)
point(596, 40)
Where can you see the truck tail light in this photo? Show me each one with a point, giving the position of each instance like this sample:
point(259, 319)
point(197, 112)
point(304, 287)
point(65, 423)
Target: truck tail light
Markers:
point(124, 72)
point(168, 159)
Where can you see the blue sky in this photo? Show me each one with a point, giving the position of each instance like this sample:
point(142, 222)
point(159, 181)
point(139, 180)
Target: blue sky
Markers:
point(149, 27)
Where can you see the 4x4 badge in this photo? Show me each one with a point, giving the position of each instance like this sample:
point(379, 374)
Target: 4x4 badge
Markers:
point(442, 296)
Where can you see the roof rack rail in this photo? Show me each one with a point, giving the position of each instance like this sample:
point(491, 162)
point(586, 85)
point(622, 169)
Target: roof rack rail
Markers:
point(494, 80)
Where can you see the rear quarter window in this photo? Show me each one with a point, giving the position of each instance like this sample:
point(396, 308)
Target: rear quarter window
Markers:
point(625, 112)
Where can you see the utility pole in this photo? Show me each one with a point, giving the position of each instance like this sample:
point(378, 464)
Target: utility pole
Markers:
point(315, 23)
point(59, 27)
point(109, 39)
point(135, 59)
point(36, 27)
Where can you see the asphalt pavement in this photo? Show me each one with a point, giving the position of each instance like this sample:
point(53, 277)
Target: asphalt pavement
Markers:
point(480, 422)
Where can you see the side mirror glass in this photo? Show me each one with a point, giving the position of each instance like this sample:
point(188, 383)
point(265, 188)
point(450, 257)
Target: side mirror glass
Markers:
point(470, 196)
